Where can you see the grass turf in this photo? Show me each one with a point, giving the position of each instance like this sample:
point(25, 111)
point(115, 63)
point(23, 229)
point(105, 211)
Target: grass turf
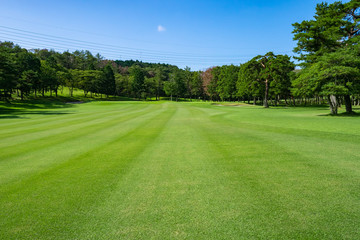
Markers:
point(135, 170)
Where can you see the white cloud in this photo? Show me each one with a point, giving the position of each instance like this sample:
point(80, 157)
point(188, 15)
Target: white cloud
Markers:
point(161, 29)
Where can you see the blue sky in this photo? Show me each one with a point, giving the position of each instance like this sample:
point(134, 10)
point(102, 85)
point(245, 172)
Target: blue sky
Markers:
point(198, 34)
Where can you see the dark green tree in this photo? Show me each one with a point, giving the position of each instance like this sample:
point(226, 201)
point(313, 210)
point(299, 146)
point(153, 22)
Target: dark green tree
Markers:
point(248, 86)
point(160, 78)
point(137, 76)
point(28, 73)
point(188, 82)
point(226, 83)
point(8, 74)
point(108, 86)
point(176, 85)
point(269, 70)
point(334, 25)
point(197, 89)
point(211, 82)
point(335, 75)
point(48, 78)
point(150, 87)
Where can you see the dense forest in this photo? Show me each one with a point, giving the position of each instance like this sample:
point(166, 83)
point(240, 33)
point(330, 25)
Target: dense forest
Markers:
point(327, 50)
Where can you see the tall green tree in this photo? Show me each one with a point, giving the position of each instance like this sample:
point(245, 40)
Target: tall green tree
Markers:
point(248, 85)
point(150, 87)
point(108, 85)
point(197, 89)
point(8, 77)
point(269, 70)
point(123, 85)
point(137, 76)
point(48, 77)
point(211, 82)
point(226, 84)
point(25, 82)
point(29, 67)
point(176, 85)
point(335, 75)
point(160, 78)
point(188, 81)
point(334, 25)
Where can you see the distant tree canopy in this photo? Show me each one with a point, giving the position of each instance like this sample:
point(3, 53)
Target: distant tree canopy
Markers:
point(42, 70)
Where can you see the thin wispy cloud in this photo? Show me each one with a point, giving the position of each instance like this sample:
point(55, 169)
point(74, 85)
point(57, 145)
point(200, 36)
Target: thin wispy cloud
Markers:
point(161, 28)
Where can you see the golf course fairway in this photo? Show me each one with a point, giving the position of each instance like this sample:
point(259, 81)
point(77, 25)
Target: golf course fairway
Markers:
point(167, 170)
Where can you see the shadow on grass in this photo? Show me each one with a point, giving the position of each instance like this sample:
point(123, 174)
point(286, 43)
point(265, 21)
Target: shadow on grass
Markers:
point(344, 114)
point(11, 117)
point(19, 109)
point(21, 113)
point(35, 104)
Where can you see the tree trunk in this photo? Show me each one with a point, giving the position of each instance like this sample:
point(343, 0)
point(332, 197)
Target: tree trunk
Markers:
point(348, 104)
point(333, 104)
point(266, 104)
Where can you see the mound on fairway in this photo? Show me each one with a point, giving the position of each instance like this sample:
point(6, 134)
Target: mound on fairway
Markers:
point(132, 170)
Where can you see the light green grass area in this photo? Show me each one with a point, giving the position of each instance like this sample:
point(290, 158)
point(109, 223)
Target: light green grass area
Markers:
point(162, 170)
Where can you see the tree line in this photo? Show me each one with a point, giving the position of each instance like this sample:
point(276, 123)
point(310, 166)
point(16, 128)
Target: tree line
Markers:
point(24, 72)
point(327, 49)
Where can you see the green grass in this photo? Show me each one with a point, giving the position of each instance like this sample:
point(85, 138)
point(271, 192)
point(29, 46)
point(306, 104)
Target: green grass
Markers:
point(162, 170)
point(64, 97)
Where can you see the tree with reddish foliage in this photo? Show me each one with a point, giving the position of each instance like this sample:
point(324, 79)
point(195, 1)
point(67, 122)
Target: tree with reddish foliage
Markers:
point(209, 80)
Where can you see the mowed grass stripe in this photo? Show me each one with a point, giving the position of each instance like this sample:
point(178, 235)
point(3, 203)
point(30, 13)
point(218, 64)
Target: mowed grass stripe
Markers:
point(168, 192)
point(244, 206)
point(174, 191)
point(324, 148)
point(34, 158)
point(65, 121)
point(43, 115)
point(79, 183)
point(297, 191)
point(45, 138)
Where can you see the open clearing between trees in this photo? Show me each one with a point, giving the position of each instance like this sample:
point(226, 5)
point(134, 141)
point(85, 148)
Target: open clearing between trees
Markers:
point(134, 170)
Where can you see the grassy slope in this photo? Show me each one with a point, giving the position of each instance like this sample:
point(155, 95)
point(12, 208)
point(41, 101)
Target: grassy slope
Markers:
point(111, 170)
